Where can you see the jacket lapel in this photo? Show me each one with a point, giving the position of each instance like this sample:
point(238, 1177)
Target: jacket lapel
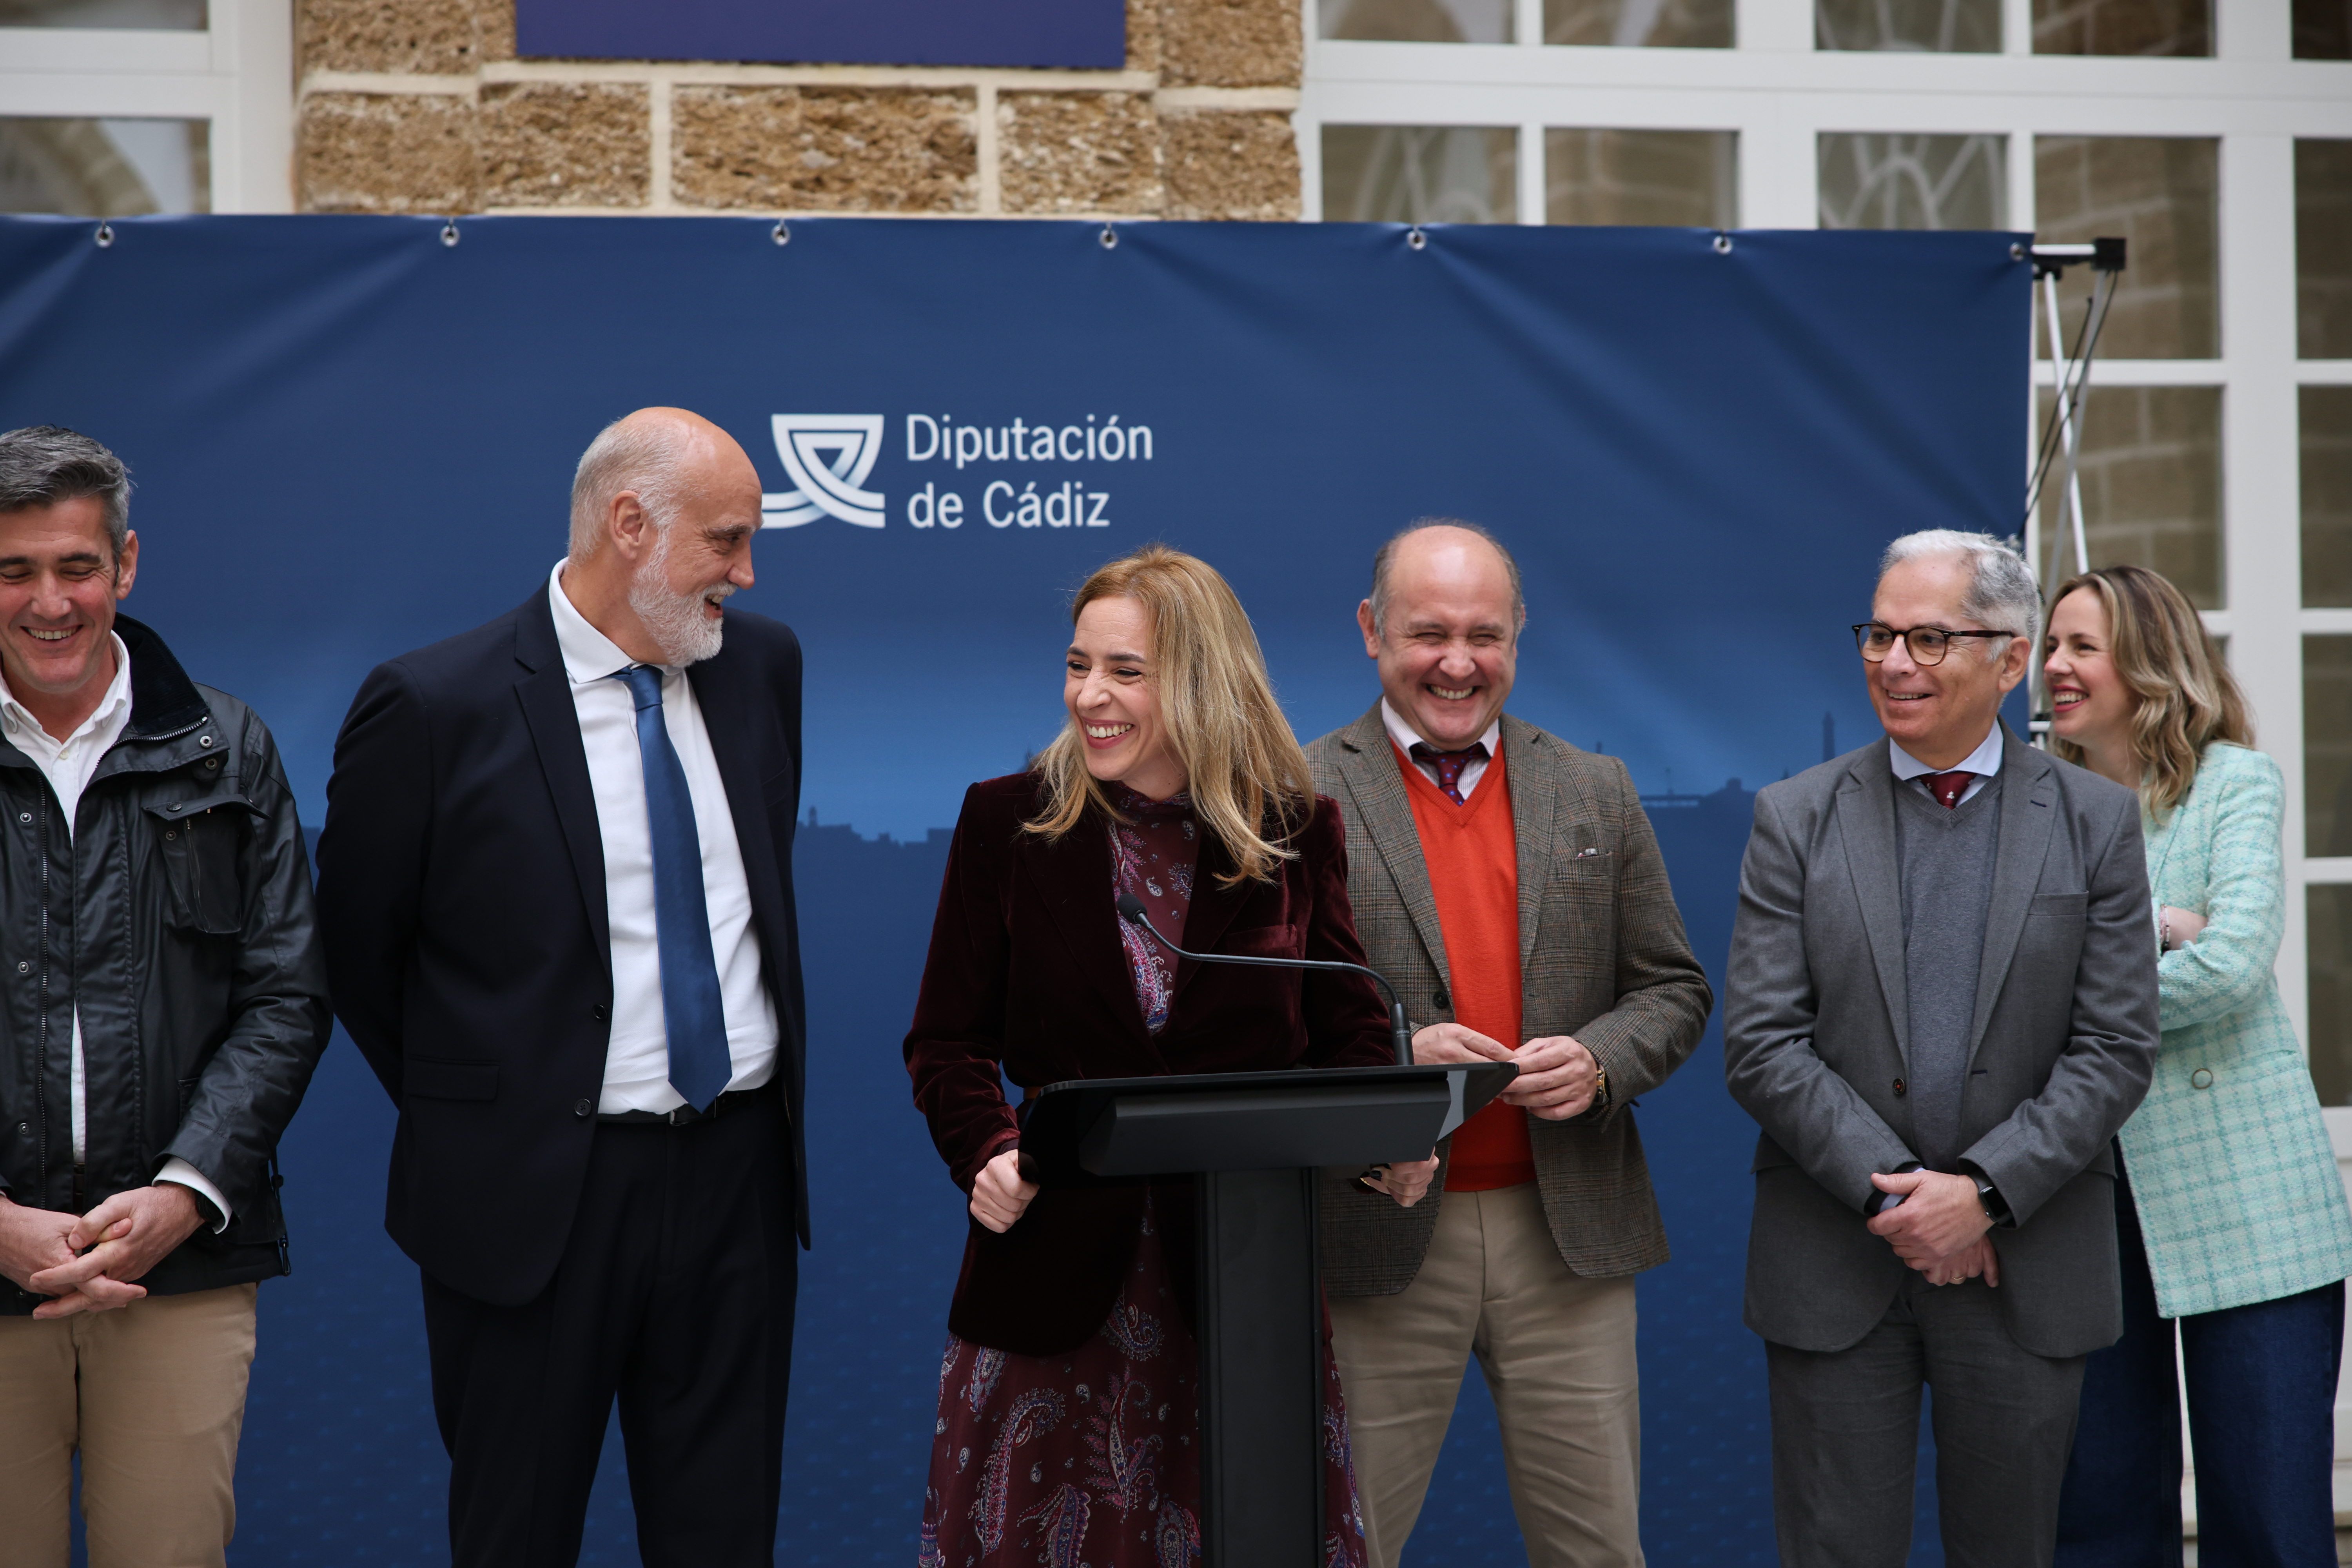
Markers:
point(727, 721)
point(1865, 815)
point(1213, 909)
point(1073, 879)
point(1369, 765)
point(2029, 799)
point(1542, 793)
point(544, 690)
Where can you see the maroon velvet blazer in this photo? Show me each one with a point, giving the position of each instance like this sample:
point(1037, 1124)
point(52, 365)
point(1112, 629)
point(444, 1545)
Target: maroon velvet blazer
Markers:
point(1027, 976)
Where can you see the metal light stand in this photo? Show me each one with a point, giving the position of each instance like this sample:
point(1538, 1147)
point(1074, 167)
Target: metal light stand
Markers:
point(2071, 379)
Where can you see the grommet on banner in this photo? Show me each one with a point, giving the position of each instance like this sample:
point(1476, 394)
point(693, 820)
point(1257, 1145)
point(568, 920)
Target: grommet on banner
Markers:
point(781, 234)
point(105, 235)
point(1109, 238)
point(2017, 251)
point(449, 231)
point(1415, 239)
point(1723, 245)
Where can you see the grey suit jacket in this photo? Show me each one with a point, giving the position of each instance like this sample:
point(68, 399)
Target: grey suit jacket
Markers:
point(2063, 1044)
point(1602, 956)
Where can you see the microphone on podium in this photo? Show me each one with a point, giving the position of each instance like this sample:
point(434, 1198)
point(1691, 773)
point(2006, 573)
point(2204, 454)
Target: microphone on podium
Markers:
point(1130, 908)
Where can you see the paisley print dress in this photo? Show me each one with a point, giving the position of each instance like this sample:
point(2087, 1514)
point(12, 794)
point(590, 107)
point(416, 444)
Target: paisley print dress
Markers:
point(1092, 1458)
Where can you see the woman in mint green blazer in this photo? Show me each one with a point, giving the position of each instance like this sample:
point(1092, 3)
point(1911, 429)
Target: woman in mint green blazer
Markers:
point(2231, 1214)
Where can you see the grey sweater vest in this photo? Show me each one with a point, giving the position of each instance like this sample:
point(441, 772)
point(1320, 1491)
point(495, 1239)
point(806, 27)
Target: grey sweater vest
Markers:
point(1948, 859)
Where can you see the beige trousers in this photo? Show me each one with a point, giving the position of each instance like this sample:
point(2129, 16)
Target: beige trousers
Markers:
point(153, 1394)
point(1558, 1353)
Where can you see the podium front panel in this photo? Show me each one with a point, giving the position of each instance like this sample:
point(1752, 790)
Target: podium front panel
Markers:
point(1278, 1129)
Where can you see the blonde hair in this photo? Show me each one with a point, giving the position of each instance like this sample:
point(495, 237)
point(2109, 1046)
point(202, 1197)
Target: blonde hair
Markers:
point(1242, 766)
point(2184, 696)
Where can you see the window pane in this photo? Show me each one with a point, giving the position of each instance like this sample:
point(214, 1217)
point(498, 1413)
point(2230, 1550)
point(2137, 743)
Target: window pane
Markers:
point(1686, 179)
point(176, 16)
point(2323, 30)
point(1418, 21)
point(1421, 173)
point(1942, 26)
point(2327, 750)
point(2122, 26)
point(2161, 194)
point(1658, 24)
point(2330, 911)
point(1913, 182)
point(2326, 419)
point(105, 168)
point(2322, 248)
point(2151, 475)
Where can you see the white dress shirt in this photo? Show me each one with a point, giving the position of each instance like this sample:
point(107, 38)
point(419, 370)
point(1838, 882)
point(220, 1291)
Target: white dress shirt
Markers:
point(636, 1063)
point(1406, 739)
point(68, 765)
point(1984, 761)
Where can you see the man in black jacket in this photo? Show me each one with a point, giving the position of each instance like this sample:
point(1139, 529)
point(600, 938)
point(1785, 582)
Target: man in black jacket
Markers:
point(556, 887)
point(163, 1002)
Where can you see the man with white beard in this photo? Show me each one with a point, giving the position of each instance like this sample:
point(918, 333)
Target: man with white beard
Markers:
point(555, 884)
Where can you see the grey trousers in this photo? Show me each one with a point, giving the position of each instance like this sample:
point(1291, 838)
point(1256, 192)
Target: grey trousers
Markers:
point(1845, 1437)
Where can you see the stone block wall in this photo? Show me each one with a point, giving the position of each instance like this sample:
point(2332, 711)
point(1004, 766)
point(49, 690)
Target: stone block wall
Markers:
point(421, 106)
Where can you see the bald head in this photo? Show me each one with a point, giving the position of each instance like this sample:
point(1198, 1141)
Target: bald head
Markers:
point(666, 457)
point(665, 507)
point(1450, 550)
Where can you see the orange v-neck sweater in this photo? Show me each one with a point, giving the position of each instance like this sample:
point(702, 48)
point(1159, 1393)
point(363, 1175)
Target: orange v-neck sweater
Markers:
point(1473, 870)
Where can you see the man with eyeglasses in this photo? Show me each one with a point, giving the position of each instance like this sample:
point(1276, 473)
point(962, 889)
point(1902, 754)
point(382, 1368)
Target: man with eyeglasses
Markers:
point(1941, 1006)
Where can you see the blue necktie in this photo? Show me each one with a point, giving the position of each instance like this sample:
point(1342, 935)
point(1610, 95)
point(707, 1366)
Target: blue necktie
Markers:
point(699, 1064)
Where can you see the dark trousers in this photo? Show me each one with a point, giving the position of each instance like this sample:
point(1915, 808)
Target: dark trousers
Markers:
point(2261, 1411)
point(675, 1292)
point(1845, 1437)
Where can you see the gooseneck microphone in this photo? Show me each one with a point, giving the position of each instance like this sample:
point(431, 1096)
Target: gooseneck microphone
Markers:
point(1130, 908)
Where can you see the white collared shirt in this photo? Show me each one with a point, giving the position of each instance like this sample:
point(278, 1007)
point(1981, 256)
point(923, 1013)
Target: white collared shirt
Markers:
point(1984, 761)
point(1406, 739)
point(636, 1063)
point(68, 765)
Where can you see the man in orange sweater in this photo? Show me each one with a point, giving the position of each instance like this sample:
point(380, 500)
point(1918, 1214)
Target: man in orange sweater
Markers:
point(1510, 886)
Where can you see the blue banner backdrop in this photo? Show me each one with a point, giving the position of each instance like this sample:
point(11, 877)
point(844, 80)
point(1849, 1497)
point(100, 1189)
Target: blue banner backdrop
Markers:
point(1084, 35)
point(354, 436)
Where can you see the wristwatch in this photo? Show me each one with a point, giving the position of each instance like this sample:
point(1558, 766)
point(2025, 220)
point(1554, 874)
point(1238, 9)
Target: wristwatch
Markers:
point(1600, 1085)
point(1990, 1197)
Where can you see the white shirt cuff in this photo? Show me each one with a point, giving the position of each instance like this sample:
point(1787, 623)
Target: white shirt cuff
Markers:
point(180, 1174)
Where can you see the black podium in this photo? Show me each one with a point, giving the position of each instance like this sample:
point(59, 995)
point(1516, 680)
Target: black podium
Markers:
point(1253, 1143)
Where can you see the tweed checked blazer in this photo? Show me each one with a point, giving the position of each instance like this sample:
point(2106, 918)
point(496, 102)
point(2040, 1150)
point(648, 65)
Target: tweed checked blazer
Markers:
point(1602, 956)
point(2228, 1156)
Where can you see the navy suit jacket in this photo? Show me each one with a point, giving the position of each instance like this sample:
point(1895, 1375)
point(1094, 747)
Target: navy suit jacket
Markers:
point(461, 893)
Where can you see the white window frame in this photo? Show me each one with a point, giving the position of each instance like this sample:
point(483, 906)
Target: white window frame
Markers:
point(238, 76)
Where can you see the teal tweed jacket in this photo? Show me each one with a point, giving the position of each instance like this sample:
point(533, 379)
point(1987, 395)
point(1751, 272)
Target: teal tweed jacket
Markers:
point(2228, 1156)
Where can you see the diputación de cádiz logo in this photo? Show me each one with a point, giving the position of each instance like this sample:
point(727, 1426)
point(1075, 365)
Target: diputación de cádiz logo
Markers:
point(827, 457)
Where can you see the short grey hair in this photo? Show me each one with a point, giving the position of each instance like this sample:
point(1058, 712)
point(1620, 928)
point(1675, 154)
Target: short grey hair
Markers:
point(1385, 556)
point(644, 459)
point(45, 465)
point(2003, 595)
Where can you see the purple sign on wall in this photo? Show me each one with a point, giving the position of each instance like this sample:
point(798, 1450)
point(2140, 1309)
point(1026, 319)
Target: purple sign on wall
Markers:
point(1079, 34)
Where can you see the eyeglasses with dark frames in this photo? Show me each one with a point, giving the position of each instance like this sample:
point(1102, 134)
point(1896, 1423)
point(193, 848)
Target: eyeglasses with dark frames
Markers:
point(1928, 644)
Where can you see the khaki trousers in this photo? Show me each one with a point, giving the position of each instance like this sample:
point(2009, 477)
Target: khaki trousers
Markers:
point(1558, 1353)
point(152, 1395)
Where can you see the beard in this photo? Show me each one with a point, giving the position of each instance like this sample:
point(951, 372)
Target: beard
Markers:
point(676, 621)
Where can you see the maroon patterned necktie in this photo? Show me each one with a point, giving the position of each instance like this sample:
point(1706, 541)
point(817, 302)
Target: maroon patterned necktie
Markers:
point(1449, 765)
point(1947, 788)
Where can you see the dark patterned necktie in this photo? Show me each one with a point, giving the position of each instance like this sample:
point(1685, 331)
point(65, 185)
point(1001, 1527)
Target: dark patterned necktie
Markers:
point(1947, 788)
point(1449, 765)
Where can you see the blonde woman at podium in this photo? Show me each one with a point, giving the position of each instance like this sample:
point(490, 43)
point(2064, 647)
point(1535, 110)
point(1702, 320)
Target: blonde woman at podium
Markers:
point(1068, 1418)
